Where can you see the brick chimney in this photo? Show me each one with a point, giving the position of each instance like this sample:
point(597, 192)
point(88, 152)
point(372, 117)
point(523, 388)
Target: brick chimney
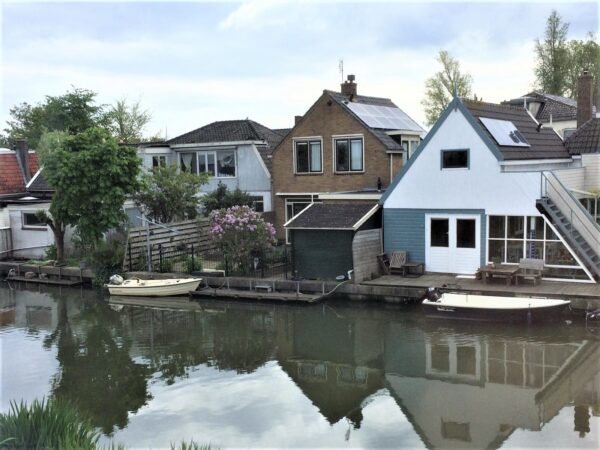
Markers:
point(349, 86)
point(22, 150)
point(584, 97)
point(297, 119)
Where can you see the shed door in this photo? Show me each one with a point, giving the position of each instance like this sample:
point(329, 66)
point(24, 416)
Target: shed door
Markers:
point(452, 243)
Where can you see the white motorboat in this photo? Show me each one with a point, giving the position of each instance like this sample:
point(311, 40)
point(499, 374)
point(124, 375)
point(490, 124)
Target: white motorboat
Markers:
point(152, 288)
point(491, 307)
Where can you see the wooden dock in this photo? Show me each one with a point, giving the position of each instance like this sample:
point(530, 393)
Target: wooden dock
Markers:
point(50, 281)
point(240, 294)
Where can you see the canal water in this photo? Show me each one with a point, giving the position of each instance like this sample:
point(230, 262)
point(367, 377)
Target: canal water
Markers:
point(237, 374)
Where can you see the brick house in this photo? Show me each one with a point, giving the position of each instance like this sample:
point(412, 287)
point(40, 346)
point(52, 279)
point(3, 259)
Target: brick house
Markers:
point(347, 147)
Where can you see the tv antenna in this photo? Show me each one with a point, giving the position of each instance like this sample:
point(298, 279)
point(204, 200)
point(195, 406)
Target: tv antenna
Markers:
point(341, 68)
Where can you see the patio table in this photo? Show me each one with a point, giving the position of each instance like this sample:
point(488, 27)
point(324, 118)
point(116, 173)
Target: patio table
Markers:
point(507, 272)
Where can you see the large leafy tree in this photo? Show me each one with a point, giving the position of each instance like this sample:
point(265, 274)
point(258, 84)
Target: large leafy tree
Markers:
point(440, 87)
point(92, 176)
point(73, 112)
point(583, 55)
point(166, 195)
point(127, 121)
point(552, 55)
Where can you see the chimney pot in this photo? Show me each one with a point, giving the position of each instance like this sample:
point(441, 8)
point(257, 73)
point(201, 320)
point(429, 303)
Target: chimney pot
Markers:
point(584, 98)
point(349, 86)
point(297, 119)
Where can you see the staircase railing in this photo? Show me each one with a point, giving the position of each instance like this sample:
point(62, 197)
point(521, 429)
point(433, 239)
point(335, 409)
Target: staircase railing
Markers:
point(579, 218)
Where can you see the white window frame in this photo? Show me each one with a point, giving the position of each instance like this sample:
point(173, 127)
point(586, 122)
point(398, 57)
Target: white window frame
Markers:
point(204, 153)
point(308, 140)
point(348, 137)
point(31, 227)
point(162, 160)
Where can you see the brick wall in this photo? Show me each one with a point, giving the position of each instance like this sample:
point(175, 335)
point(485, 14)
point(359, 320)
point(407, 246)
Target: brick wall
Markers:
point(365, 248)
point(326, 119)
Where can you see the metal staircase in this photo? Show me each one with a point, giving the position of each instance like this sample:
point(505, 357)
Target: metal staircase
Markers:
point(572, 220)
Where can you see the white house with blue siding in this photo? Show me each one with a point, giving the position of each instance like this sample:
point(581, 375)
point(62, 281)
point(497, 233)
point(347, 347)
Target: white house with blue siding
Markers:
point(485, 186)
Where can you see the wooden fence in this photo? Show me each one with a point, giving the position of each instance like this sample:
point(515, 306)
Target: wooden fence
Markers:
point(187, 233)
point(5, 242)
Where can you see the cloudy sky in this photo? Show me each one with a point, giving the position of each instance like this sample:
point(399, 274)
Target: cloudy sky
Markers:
point(193, 63)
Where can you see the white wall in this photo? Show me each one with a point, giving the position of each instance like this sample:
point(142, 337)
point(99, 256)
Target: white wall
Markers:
point(23, 237)
point(560, 126)
point(572, 178)
point(591, 164)
point(482, 186)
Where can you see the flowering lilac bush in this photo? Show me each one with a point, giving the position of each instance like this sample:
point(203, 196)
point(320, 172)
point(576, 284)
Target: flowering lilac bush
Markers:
point(240, 231)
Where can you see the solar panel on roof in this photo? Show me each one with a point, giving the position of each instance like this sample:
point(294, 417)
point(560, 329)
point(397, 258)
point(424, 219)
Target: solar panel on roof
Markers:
point(504, 132)
point(383, 117)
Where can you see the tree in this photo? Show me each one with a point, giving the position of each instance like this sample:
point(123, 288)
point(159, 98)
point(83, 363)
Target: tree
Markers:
point(127, 122)
point(439, 89)
point(583, 55)
point(223, 198)
point(166, 195)
point(240, 231)
point(73, 112)
point(92, 176)
point(552, 56)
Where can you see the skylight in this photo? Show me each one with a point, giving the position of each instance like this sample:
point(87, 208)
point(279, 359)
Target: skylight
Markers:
point(504, 132)
point(384, 117)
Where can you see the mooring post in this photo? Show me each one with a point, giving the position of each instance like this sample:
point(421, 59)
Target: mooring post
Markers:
point(323, 287)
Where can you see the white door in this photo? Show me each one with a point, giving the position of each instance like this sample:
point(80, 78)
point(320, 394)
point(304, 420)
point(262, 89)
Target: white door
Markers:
point(452, 243)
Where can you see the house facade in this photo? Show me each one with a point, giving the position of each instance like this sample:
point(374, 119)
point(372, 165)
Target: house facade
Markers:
point(485, 187)
point(236, 153)
point(346, 147)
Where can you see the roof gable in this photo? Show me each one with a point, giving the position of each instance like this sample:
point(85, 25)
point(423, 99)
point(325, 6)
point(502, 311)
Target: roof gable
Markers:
point(12, 179)
point(586, 139)
point(455, 104)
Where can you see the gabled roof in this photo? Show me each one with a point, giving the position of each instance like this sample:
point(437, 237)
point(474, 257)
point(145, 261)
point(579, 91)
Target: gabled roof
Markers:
point(544, 144)
point(379, 133)
point(586, 139)
point(557, 106)
point(332, 216)
point(39, 183)
point(12, 178)
point(233, 131)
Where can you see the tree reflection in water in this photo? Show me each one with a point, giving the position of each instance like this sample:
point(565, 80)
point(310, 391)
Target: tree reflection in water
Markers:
point(97, 374)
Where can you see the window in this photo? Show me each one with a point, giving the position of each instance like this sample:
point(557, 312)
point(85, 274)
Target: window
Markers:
point(188, 163)
point(439, 232)
point(465, 233)
point(308, 156)
point(221, 164)
point(159, 161)
point(30, 220)
point(567, 132)
point(349, 155)
point(455, 159)
point(258, 203)
point(409, 147)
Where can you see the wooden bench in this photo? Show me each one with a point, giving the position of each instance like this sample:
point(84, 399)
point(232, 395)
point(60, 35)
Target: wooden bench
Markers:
point(263, 287)
point(530, 269)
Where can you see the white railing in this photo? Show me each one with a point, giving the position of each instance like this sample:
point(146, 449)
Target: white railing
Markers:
point(579, 218)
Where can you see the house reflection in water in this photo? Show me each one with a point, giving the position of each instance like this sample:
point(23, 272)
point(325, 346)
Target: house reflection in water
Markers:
point(473, 391)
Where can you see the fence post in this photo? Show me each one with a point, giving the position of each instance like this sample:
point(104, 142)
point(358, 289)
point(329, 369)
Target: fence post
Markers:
point(193, 266)
point(160, 258)
point(130, 260)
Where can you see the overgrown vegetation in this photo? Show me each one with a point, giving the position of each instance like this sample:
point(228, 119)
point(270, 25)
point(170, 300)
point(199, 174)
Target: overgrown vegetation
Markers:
point(46, 425)
point(167, 195)
point(223, 198)
point(107, 257)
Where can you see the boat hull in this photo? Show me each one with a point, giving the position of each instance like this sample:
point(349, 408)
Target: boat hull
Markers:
point(153, 288)
point(494, 309)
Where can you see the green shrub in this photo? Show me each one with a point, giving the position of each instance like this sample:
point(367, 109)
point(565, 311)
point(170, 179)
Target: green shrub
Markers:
point(107, 258)
point(192, 264)
point(46, 425)
point(51, 252)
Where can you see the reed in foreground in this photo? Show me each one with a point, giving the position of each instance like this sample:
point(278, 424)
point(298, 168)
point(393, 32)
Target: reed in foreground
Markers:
point(45, 424)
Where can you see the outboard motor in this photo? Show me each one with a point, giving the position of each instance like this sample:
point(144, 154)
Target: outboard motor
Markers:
point(116, 279)
point(432, 294)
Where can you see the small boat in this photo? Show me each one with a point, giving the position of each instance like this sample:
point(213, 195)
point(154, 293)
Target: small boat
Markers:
point(451, 305)
point(152, 288)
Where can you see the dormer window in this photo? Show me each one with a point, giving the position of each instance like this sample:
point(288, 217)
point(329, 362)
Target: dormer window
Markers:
point(308, 156)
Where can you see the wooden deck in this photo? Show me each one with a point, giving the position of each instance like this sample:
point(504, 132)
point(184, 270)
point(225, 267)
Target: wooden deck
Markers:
point(240, 294)
point(551, 289)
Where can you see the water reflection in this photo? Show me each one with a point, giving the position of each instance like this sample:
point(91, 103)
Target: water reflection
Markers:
point(462, 385)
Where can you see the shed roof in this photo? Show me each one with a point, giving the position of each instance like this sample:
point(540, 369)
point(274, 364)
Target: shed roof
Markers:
point(332, 216)
point(544, 144)
point(586, 139)
point(12, 178)
point(39, 183)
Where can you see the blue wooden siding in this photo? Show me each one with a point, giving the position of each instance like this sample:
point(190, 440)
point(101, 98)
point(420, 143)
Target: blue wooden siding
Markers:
point(404, 229)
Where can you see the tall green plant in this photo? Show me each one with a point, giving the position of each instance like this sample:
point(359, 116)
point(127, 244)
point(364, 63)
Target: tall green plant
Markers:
point(552, 56)
point(223, 198)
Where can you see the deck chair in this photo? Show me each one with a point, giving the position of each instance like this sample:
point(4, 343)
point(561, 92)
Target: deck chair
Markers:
point(397, 262)
point(384, 263)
